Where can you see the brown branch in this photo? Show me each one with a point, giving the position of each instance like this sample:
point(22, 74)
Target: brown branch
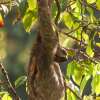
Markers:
point(3, 3)
point(85, 55)
point(74, 38)
point(71, 3)
point(67, 87)
point(68, 7)
point(12, 89)
point(59, 11)
point(82, 53)
point(2, 82)
point(72, 30)
point(67, 33)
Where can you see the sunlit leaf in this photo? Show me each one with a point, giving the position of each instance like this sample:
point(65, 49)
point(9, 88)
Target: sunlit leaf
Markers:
point(67, 19)
point(98, 44)
point(54, 10)
point(90, 10)
point(70, 69)
point(83, 83)
point(70, 95)
point(32, 4)
point(74, 5)
point(89, 68)
point(96, 84)
point(28, 20)
point(98, 4)
point(77, 10)
point(21, 80)
point(98, 66)
point(78, 34)
point(85, 37)
point(6, 97)
point(96, 70)
point(78, 4)
point(30, 15)
point(71, 53)
point(2, 93)
point(98, 98)
point(91, 1)
point(77, 74)
point(74, 70)
point(89, 50)
point(88, 98)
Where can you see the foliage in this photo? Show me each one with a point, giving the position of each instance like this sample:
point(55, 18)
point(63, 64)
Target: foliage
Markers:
point(79, 24)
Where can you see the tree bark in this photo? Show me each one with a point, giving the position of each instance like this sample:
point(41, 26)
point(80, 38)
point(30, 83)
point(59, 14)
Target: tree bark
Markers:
point(45, 80)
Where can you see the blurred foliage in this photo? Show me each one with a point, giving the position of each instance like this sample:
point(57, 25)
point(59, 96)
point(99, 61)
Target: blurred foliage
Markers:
point(79, 33)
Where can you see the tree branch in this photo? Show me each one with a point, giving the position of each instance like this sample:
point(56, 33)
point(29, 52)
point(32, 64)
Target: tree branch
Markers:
point(67, 87)
point(4, 3)
point(59, 11)
point(74, 38)
point(82, 53)
point(12, 89)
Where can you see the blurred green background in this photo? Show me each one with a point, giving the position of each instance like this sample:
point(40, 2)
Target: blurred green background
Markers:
point(15, 46)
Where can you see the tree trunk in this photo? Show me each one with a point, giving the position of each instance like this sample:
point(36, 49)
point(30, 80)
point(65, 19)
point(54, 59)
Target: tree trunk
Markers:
point(45, 80)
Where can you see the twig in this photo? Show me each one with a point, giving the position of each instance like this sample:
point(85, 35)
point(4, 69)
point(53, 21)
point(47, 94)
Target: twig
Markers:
point(58, 30)
point(2, 3)
point(68, 33)
point(2, 82)
point(71, 3)
point(85, 55)
point(71, 30)
point(81, 23)
point(82, 53)
point(58, 13)
point(74, 38)
point(12, 89)
point(67, 87)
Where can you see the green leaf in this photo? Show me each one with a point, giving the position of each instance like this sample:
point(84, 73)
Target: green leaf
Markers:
point(77, 74)
point(21, 80)
point(90, 10)
point(28, 20)
point(71, 53)
point(88, 97)
point(77, 10)
point(74, 70)
point(6, 97)
point(96, 84)
point(32, 4)
point(91, 1)
point(98, 67)
point(2, 93)
point(98, 44)
point(85, 37)
point(83, 83)
point(98, 4)
point(89, 68)
point(67, 20)
point(95, 69)
point(78, 34)
point(70, 95)
point(78, 4)
point(30, 15)
point(54, 10)
point(69, 70)
point(89, 50)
